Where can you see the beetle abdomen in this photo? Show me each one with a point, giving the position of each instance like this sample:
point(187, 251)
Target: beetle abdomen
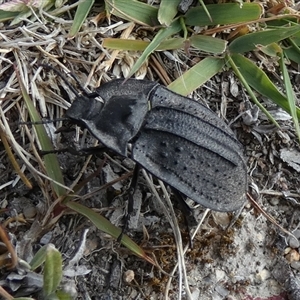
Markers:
point(195, 130)
point(200, 174)
point(199, 159)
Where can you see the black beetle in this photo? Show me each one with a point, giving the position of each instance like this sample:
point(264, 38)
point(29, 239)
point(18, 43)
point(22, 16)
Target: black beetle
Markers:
point(175, 138)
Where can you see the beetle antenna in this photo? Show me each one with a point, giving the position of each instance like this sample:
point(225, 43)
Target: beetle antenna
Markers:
point(42, 122)
point(63, 77)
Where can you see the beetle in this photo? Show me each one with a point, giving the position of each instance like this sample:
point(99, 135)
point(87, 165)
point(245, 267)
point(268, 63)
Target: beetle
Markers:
point(175, 138)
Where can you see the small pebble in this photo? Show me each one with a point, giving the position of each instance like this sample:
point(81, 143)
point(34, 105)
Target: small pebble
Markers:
point(220, 275)
point(287, 250)
point(29, 212)
point(274, 201)
point(263, 275)
point(296, 233)
point(293, 243)
point(295, 265)
point(128, 163)
point(293, 255)
point(45, 239)
point(128, 276)
point(221, 290)
point(221, 219)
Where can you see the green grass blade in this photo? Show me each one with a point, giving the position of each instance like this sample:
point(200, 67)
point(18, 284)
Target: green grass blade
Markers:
point(161, 36)
point(104, 225)
point(290, 95)
point(133, 10)
point(167, 11)
point(125, 44)
point(205, 9)
point(249, 90)
point(139, 45)
point(208, 44)
point(227, 13)
point(197, 75)
point(258, 79)
point(81, 13)
point(51, 163)
point(251, 41)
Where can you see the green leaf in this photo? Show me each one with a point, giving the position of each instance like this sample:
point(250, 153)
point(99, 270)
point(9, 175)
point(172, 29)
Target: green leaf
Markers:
point(139, 45)
point(208, 44)
point(196, 76)
point(205, 9)
point(271, 49)
point(61, 295)
point(82, 11)
point(251, 41)
point(290, 95)
point(258, 79)
point(51, 163)
point(7, 15)
point(227, 13)
point(292, 51)
point(52, 270)
point(161, 36)
point(133, 10)
point(104, 225)
point(167, 11)
point(244, 82)
point(39, 258)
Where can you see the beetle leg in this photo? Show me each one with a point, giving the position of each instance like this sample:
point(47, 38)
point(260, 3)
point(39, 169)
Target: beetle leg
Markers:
point(131, 190)
point(187, 212)
point(80, 152)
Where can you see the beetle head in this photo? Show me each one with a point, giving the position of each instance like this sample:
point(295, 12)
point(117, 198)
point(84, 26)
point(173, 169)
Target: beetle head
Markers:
point(84, 109)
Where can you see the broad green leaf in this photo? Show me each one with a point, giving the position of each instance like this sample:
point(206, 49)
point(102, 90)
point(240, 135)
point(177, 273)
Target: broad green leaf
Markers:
point(167, 11)
point(171, 44)
point(208, 44)
point(7, 15)
point(81, 13)
point(39, 258)
point(293, 54)
point(258, 79)
point(293, 51)
point(133, 10)
point(223, 13)
point(205, 9)
point(61, 295)
point(290, 95)
point(23, 15)
point(125, 44)
point(197, 75)
point(104, 225)
point(139, 45)
point(161, 36)
point(52, 270)
point(251, 41)
point(271, 49)
point(51, 163)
